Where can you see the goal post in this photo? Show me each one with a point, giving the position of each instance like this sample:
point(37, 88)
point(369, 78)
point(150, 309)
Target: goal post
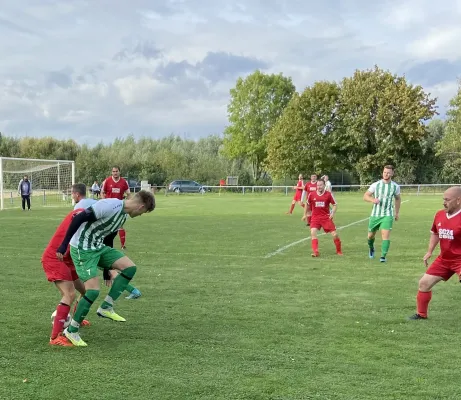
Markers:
point(51, 181)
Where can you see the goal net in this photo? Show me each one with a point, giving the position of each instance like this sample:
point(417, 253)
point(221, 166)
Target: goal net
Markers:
point(51, 181)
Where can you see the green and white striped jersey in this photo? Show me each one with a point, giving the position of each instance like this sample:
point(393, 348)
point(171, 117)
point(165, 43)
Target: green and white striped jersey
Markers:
point(109, 217)
point(385, 192)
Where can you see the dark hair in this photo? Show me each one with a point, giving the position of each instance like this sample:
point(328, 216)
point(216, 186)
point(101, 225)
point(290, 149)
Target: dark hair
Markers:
point(116, 166)
point(146, 198)
point(389, 166)
point(79, 188)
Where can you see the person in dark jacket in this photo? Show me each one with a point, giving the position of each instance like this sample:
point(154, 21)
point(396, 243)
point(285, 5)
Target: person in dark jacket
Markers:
point(25, 190)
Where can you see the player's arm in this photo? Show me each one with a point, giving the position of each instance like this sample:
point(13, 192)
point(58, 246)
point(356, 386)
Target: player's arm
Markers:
point(307, 207)
point(103, 190)
point(433, 242)
point(398, 202)
point(334, 206)
point(127, 193)
point(86, 215)
point(368, 196)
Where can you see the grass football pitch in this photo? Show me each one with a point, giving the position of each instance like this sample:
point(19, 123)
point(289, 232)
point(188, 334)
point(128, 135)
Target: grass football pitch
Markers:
point(230, 311)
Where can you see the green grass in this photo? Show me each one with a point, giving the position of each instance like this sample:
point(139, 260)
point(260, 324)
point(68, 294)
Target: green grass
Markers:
point(219, 320)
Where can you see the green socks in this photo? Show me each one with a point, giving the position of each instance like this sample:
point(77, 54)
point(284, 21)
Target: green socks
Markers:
point(118, 286)
point(83, 307)
point(385, 247)
point(129, 288)
point(371, 243)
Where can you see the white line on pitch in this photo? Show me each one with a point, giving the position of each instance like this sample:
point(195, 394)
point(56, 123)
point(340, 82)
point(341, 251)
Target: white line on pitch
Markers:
point(282, 249)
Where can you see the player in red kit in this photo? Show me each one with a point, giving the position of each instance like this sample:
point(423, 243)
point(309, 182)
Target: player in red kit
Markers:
point(309, 187)
point(446, 230)
point(297, 198)
point(321, 217)
point(64, 276)
point(115, 187)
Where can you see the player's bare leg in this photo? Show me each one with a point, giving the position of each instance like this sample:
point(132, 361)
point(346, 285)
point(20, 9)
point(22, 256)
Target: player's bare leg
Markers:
point(371, 244)
point(315, 242)
point(426, 283)
point(293, 203)
point(337, 242)
point(385, 235)
point(67, 290)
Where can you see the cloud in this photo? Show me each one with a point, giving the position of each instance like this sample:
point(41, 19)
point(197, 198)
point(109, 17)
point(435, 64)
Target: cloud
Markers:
point(73, 69)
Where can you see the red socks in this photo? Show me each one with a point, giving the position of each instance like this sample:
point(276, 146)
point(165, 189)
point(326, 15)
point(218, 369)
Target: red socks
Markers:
point(337, 244)
point(122, 234)
point(315, 245)
point(422, 302)
point(62, 311)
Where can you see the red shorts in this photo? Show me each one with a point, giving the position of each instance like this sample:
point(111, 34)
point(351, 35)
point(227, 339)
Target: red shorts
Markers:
point(326, 223)
point(298, 195)
point(444, 269)
point(56, 270)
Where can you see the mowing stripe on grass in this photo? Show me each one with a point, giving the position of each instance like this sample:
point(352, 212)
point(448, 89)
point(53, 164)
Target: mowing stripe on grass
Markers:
point(282, 249)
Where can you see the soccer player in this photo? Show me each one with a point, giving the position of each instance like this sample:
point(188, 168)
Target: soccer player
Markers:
point(318, 205)
point(115, 187)
point(63, 275)
point(86, 234)
point(309, 187)
point(81, 201)
point(381, 194)
point(298, 194)
point(446, 230)
point(328, 187)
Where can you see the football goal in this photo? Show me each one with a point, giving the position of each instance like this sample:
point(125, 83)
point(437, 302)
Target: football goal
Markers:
point(51, 181)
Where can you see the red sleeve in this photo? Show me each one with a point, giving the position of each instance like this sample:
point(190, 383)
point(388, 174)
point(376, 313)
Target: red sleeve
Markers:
point(127, 187)
point(434, 228)
point(306, 187)
point(332, 199)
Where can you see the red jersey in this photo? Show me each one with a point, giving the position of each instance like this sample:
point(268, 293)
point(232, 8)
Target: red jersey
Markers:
point(299, 185)
point(448, 228)
point(114, 190)
point(320, 204)
point(310, 187)
point(59, 235)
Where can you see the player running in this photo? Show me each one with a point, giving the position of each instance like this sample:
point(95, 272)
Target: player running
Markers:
point(86, 234)
point(62, 273)
point(115, 187)
point(298, 194)
point(381, 194)
point(319, 207)
point(446, 230)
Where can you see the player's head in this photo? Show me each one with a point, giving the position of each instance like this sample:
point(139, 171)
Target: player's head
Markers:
point(115, 172)
point(26, 178)
point(320, 185)
point(300, 177)
point(452, 199)
point(313, 178)
point(78, 192)
point(325, 178)
point(388, 172)
point(142, 202)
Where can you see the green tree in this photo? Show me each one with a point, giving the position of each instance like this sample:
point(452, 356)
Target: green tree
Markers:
point(383, 119)
point(256, 104)
point(301, 139)
point(449, 148)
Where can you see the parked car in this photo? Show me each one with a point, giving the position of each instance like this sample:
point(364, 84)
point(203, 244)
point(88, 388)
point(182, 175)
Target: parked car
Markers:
point(134, 186)
point(186, 186)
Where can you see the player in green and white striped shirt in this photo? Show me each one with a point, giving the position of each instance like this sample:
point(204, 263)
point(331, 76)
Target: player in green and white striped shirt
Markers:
point(382, 194)
point(86, 235)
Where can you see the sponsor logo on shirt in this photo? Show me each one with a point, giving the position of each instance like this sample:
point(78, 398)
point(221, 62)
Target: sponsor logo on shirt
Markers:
point(446, 234)
point(319, 203)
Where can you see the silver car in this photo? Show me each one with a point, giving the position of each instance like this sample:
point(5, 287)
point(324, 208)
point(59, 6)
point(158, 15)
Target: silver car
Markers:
point(186, 186)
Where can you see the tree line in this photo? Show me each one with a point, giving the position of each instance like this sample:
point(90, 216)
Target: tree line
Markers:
point(354, 126)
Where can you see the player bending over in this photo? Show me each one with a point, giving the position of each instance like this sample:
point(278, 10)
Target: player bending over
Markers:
point(86, 235)
point(381, 194)
point(318, 208)
point(298, 194)
point(81, 201)
point(446, 230)
point(62, 273)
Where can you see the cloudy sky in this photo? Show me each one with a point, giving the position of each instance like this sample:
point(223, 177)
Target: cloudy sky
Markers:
point(97, 69)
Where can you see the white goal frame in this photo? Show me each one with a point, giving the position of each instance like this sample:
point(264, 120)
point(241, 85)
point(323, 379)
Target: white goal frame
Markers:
point(30, 172)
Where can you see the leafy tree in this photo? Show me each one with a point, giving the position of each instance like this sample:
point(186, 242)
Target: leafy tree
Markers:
point(449, 148)
point(383, 119)
point(256, 104)
point(301, 139)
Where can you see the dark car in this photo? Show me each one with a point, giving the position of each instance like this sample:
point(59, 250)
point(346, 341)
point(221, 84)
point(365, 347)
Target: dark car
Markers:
point(186, 186)
point(134, 186)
